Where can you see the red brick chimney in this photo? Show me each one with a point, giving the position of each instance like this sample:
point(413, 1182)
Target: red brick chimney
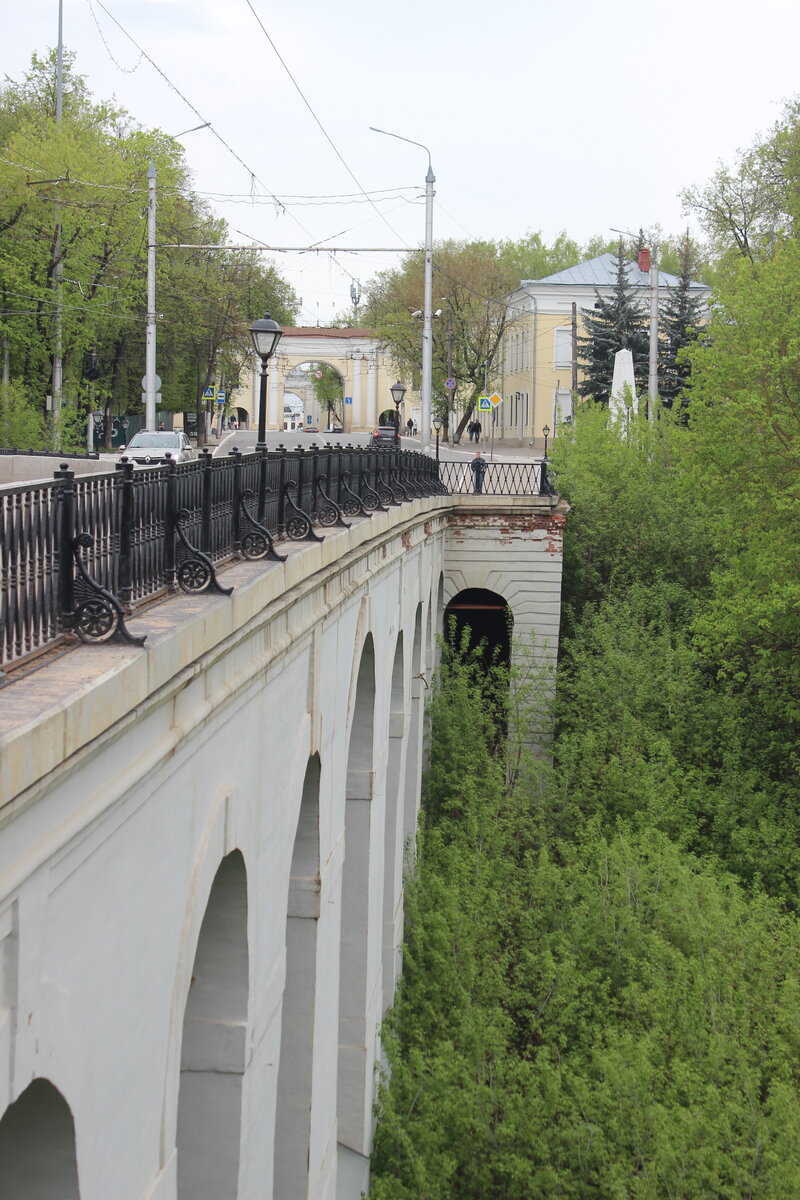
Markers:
point(644, 260)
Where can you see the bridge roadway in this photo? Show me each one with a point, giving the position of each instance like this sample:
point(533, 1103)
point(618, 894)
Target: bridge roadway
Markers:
point(201, 850)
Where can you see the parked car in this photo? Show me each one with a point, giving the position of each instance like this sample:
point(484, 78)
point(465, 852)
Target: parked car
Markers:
point(384, 433)
point(147, 449)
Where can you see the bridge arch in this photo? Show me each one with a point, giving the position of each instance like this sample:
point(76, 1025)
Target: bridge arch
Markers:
point(292, 1158)
point(393, 825)
point(356, 951)
point(214, 1043)
point(37, 1146)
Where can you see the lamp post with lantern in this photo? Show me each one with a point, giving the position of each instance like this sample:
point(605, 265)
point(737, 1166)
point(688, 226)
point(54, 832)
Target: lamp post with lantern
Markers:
point(546, 432)
point(265, 334)
point(398, 391)
point(437, 425)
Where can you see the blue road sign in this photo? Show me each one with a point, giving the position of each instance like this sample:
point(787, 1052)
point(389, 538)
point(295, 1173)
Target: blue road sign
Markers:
point(450, 383)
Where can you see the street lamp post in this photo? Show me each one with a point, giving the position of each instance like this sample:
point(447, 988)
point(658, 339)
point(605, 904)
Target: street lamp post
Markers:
point(398, 391)
point(546, 432)
point(437, 425)
point(427, 325)
point(266, 334)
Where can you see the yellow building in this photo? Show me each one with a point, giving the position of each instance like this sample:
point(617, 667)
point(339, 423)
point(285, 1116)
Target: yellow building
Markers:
point(539, 369)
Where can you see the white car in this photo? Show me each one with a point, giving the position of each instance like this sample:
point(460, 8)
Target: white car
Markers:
point(149, 449)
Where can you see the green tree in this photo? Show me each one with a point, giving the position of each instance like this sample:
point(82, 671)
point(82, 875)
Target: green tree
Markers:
point(747, 207)
point(681, 320)
point(329, 391)
point(470, 282)
point(616, 322)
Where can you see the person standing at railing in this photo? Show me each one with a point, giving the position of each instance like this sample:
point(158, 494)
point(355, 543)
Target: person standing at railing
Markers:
point(478, 467)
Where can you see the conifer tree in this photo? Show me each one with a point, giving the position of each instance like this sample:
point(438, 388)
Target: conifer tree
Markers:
point(616, 322)
point(681, 318)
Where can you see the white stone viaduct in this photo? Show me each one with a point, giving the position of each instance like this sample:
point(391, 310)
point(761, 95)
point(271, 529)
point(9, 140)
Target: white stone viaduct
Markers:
point(201, 850)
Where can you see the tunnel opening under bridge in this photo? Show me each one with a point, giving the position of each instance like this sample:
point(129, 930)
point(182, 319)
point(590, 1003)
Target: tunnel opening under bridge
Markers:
point(482, 621)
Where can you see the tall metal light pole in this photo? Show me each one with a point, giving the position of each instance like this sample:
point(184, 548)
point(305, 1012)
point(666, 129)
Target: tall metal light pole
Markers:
point(427, 325)
point(150, 384)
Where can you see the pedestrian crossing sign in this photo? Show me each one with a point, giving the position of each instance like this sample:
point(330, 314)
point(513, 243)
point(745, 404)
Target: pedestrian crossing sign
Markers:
point(484, 404)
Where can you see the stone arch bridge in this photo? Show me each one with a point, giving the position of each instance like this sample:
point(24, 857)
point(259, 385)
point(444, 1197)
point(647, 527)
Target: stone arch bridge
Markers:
point(201, 851)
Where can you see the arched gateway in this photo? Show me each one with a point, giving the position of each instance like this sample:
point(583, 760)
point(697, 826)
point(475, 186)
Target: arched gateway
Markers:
point(357, 354)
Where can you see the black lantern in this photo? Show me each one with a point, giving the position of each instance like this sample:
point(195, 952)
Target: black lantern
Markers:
point(546, 432)
point(266, 334)
point(398, 391)
point(437, 425)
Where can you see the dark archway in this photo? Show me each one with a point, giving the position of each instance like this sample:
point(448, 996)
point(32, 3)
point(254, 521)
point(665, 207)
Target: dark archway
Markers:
point(489, 620)
point(37, 1146)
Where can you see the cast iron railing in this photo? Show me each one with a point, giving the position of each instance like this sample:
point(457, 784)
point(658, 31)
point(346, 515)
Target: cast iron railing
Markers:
point(77, 553)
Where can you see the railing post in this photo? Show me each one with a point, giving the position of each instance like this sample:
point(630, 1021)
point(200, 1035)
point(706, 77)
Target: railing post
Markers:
point(125, 532)
point(281, 492)
point(66, 535)
point(171, 525)
point(311, 508)
point(205, 509)
point(261, 506)
point(236, 514)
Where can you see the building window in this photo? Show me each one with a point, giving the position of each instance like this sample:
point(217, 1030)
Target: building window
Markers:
point(562, 355)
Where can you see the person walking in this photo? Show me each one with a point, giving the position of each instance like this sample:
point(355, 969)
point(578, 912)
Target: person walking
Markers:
point(478, 467)
point(410, 426)
point(476, 425)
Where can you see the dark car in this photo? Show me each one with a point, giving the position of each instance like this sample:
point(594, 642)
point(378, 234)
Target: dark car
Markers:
point(149, 449)
point(384, 433)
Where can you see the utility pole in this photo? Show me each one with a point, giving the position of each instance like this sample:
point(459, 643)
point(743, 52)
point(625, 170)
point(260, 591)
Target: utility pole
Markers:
point(355, 298)
point(450, 416)
point(574, 347)
point(58, 267)
point(150, 385)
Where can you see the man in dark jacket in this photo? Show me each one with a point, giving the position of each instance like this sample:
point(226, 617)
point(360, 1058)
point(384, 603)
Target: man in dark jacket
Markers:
point(478, 466)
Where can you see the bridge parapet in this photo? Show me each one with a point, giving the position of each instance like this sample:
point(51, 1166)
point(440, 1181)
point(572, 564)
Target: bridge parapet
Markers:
point(254, 770)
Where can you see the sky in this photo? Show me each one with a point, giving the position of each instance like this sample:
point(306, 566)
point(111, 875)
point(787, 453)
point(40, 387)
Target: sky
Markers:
point(545, 117)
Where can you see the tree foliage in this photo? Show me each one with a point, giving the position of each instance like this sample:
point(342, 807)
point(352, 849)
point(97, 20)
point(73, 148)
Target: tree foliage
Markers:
point(600, 990)
point(73, 199)
point(745, 208)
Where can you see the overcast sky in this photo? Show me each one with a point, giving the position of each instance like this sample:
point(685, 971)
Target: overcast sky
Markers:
point(577, 116)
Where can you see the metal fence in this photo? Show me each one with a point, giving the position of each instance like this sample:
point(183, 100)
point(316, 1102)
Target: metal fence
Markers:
point(504, 478)
point(77, 553)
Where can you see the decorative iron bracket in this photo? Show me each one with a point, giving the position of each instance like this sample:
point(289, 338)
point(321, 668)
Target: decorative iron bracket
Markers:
point(398, 487)
point(328, 512)
point(257, 541)
point(298, 523)
point(98, 614)
point(352, 504)
point(372, 500)
point(195, 570)
point(387, 493)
